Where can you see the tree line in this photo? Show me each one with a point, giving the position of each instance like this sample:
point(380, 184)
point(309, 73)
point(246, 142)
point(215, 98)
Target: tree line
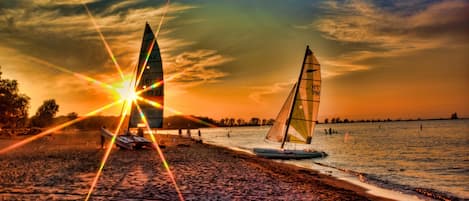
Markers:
point(14, 108)
point(14, 114)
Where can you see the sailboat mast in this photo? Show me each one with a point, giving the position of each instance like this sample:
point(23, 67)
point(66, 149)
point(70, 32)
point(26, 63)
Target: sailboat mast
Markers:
point(294, 98)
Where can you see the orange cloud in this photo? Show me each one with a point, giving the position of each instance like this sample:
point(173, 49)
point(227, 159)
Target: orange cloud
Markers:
point(260, 91)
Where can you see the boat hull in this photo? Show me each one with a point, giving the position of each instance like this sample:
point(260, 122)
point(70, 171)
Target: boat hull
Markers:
point(288, 154)
point(129, 142)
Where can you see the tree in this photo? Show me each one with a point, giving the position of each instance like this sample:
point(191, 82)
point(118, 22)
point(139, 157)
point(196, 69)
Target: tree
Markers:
point(338, 120)
point(232, 121)
point(254, 121)
point(13, 105)
point(72, 115)
point(271, 122)
point(454, 116)
point(326, 120)
point(240, 122)
point(45, 113)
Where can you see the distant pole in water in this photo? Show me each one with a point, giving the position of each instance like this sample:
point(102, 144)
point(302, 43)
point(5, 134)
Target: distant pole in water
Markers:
point(102, 142)
point(140, 132)
point(346, 137)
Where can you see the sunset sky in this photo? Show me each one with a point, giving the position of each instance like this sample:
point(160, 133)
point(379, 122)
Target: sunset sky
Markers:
point(379, 59)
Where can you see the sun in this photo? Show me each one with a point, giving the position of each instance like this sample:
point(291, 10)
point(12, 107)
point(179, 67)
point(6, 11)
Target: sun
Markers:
point(125, 90)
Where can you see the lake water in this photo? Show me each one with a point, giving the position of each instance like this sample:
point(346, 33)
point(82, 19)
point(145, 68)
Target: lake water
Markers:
point(396, 155)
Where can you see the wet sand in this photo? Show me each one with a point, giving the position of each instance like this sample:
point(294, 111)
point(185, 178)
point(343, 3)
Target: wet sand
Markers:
point(61, 167)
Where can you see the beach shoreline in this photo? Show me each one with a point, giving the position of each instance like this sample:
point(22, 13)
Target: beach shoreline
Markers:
point(62, 167)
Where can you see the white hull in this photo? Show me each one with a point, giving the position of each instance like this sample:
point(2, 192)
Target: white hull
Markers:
point(288, 154)
point(129, 142)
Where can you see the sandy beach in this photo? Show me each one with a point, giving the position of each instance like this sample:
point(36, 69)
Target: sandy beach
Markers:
point(61, 167)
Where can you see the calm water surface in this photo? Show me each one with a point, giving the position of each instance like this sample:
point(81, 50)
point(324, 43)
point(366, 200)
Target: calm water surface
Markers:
point(398, 154)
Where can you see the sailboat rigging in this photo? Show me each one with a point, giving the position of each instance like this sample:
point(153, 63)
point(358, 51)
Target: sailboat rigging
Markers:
point(298, 116)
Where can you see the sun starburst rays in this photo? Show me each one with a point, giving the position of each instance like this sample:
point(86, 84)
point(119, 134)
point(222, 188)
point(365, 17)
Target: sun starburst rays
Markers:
point(106, 45)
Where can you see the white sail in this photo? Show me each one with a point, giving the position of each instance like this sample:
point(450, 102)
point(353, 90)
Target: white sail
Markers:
point(152, 73)
point(306, 104)
point(277, 131)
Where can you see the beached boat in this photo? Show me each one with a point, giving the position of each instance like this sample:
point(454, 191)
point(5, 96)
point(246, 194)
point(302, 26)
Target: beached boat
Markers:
point(149, 71)
point(298, 116)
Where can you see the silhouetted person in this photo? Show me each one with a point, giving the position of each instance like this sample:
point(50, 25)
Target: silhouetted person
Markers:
point(140, 132)
point(325, 131)
point(330, 131)
point(421, 127)
point(180, 132)
point(200, 135)
point(189, 132)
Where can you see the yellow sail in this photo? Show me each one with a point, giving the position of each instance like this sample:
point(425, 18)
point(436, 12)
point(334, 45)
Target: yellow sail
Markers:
point(298, 115)
point(305, 107)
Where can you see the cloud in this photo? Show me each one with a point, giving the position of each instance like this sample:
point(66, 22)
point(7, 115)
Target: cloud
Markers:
point(261, 91)
point(361, 22)
point(60, 38)
point(390, 32)
point(56, 35)
point(61, 33)
point(193, 68)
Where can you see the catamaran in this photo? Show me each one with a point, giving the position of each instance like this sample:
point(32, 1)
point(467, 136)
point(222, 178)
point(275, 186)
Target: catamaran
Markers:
point(298, 116)
point(149, 71)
